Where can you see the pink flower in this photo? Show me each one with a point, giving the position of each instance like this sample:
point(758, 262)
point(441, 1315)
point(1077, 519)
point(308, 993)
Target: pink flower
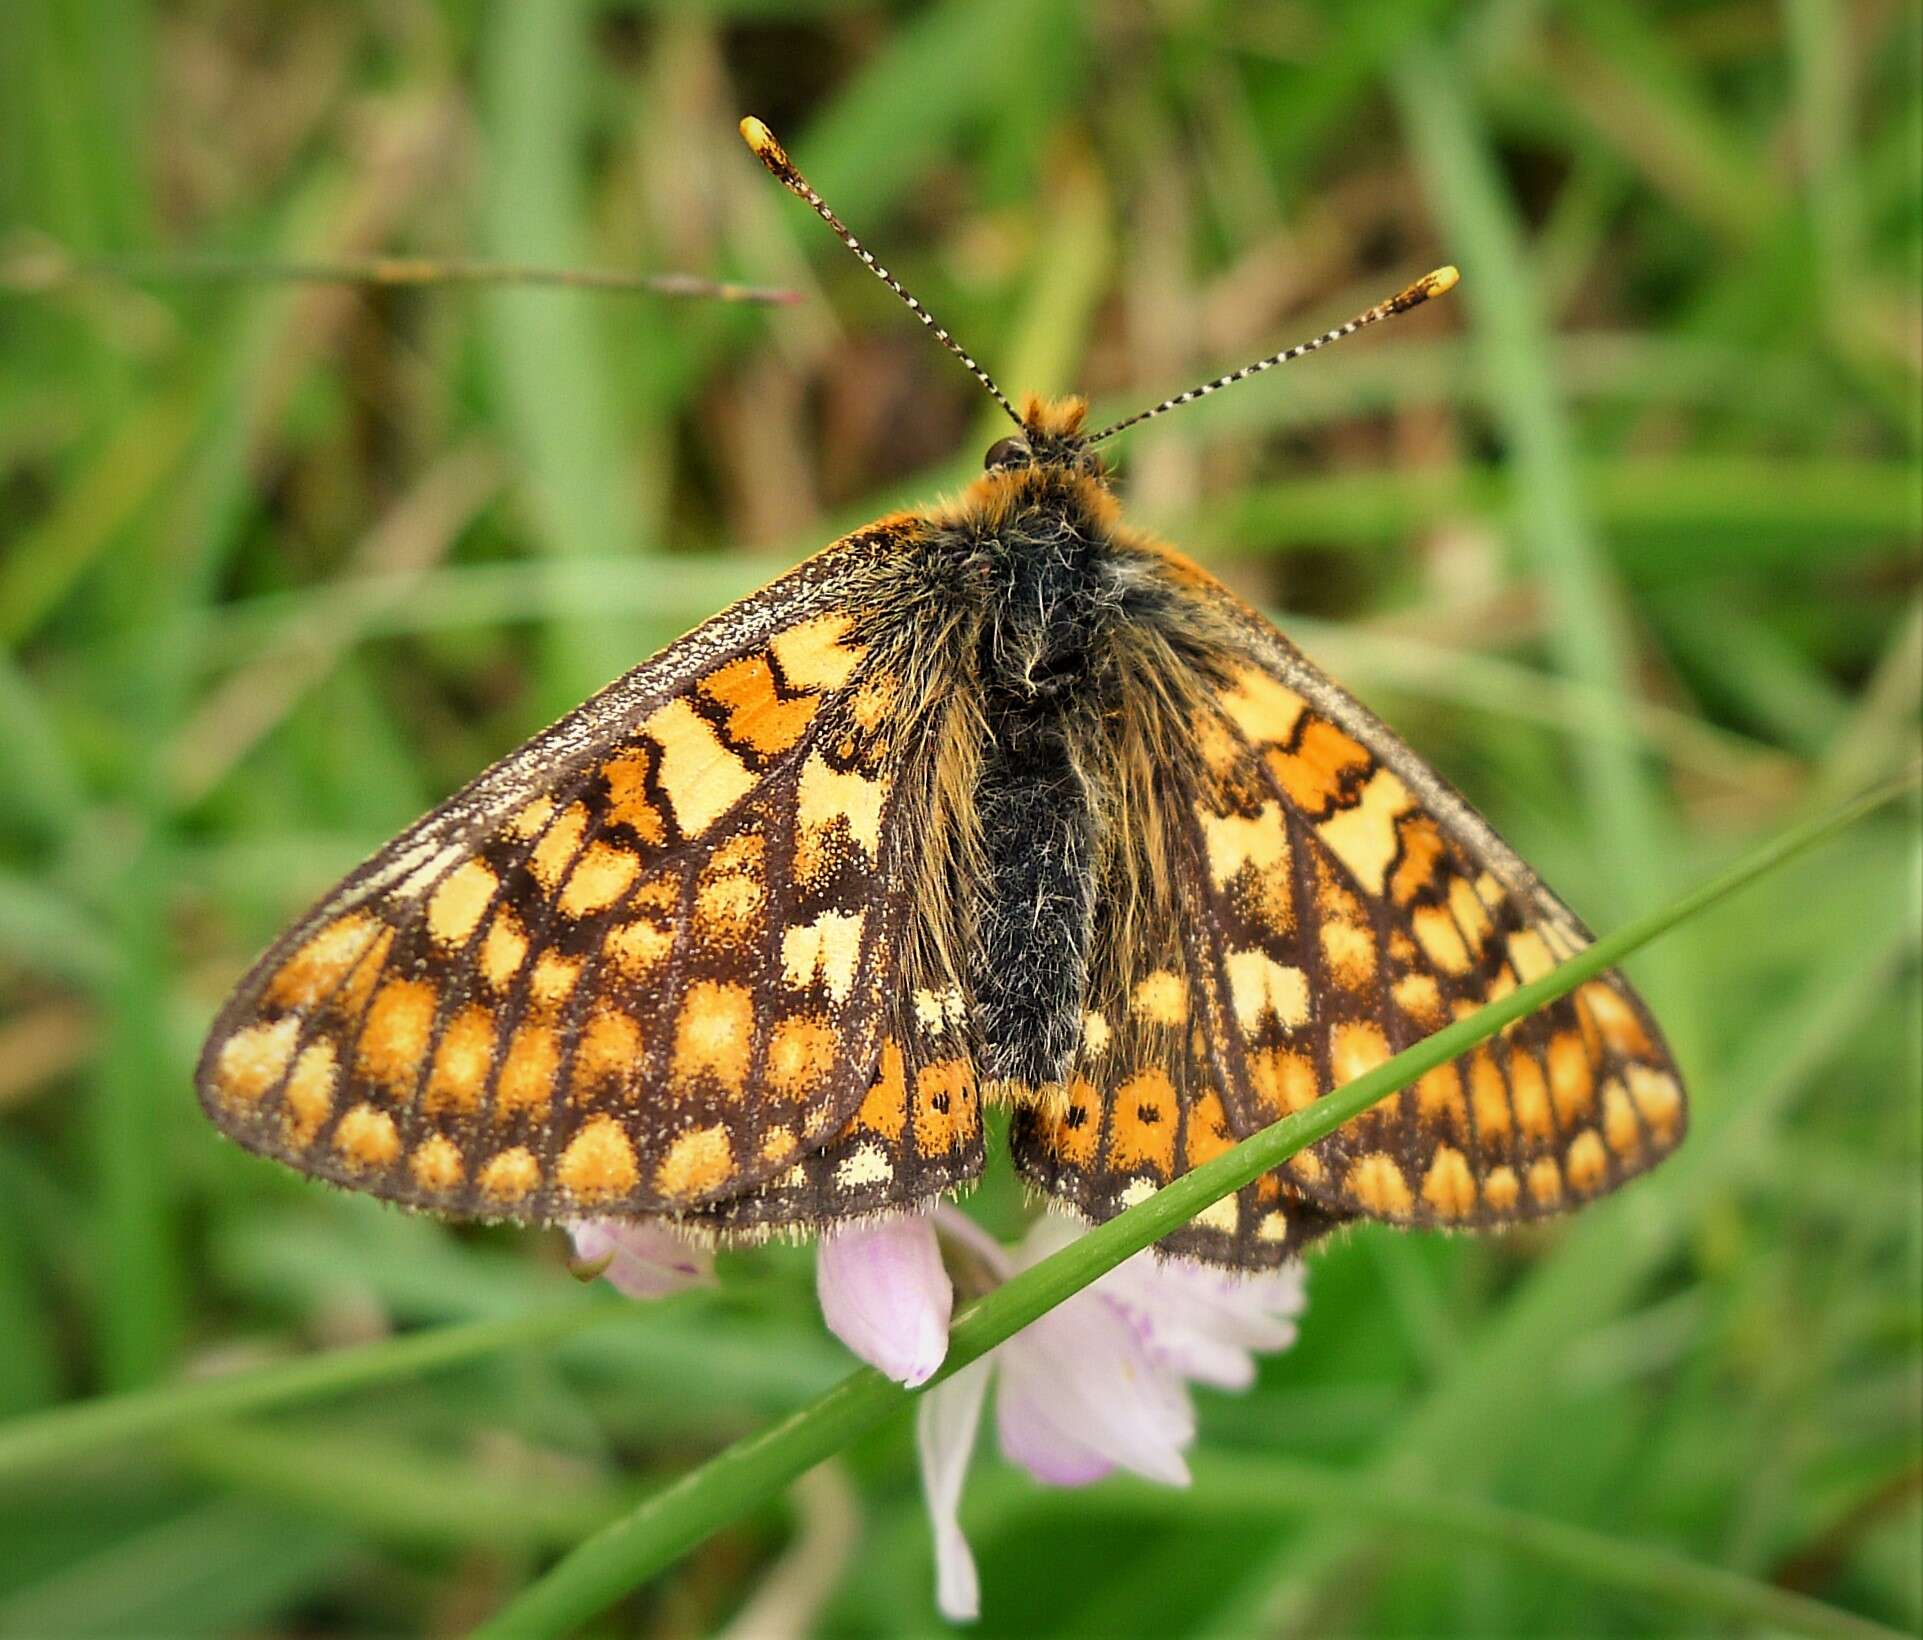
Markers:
point(640, 1259)
point(1099, 1383)
point(884, 1293)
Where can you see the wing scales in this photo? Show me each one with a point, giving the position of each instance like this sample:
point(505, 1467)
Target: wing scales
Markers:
point(637, 966)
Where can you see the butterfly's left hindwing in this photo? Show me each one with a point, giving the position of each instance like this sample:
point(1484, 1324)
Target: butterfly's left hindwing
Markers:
point(1143, 1100)
point(639, 965)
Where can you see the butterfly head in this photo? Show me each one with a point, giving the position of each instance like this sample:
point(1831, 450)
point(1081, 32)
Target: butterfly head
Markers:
point(1051, 438)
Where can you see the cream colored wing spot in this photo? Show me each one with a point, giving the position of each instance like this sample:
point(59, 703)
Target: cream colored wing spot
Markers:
point(1161, 998)
point(938, 1012)
point(459, 901)
point(503, 948)
point(828, 948)
point(866, 1164)
point(1259, 985)
point(252, 1060)
point(1588, 1162)
point(1235, 841)
point(1620, 1127)
point(1659, 1099)
point(1528, 955)
point(826, 795)
point(1264, 710)
point(703, 780)
point(1363, 838)
point(815, 654)
point(1440, 937)
point(309, 1097)
point(1348, 950)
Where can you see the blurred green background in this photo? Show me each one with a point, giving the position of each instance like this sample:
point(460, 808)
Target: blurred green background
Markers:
point(1623, 537)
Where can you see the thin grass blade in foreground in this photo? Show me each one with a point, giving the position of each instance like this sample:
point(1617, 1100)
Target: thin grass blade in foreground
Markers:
point(1243, 1489)
point(628, 1552)
point(72, 1432)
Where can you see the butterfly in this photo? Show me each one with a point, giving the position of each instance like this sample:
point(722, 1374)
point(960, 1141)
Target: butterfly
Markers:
point(998, 801)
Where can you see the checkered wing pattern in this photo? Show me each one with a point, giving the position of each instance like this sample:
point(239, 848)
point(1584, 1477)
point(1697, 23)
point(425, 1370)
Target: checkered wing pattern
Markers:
point(1144, 1104)
point(1357, 904)
point(643, 964)
point(1338, 901)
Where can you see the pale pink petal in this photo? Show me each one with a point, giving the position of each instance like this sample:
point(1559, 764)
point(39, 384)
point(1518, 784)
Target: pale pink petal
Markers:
point(639, 1258)
point(946, 1419)
point(1080, 1390)
point(884, 1293)
point(1204, 1323)
point(1031, 1436)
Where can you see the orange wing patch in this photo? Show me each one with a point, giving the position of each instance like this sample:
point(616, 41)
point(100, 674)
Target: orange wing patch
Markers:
point(916, 1135)
point(1142, 1104)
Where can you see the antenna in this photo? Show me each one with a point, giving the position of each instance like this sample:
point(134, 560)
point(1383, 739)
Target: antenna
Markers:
point(775, 157)
point(1430, 284)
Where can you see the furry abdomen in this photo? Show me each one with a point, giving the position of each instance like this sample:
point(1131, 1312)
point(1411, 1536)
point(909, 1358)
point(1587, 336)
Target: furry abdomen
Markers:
point(1050, 598)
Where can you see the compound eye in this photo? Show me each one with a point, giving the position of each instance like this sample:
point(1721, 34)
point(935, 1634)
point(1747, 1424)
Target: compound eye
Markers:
point(1006, 452)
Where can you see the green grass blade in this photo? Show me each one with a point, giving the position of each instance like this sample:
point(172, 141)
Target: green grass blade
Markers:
point(1238, 1487)
point(629, 1551)
point(69, 1433)
point(1589, 631)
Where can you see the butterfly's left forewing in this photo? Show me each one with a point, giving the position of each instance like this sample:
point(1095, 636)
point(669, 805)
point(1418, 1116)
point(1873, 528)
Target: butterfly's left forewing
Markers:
point(1357, 904)
point(1338, 902)
point(639, 965)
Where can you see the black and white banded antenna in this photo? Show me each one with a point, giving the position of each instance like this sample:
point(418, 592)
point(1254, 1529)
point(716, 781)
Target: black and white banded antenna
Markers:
point(1430, 284)
point(775, 157)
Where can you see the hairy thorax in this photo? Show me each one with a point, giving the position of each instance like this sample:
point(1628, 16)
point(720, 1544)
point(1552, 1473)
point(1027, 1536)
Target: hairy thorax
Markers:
point(1060, 591)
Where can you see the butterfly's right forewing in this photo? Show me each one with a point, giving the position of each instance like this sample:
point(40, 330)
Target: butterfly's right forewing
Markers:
point(640, 964)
